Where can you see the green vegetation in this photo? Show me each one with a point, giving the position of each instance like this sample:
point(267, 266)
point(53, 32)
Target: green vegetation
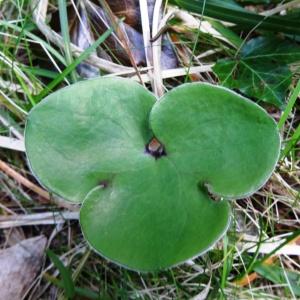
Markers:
point(139, 199)
point(251, 47)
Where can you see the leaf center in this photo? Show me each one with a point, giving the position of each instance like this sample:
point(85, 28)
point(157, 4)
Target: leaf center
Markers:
point(155, 148)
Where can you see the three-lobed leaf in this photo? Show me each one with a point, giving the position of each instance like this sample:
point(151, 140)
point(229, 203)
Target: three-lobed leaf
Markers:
point(88, 143)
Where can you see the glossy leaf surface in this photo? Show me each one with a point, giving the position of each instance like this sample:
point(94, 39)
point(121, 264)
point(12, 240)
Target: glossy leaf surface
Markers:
point(89, 142)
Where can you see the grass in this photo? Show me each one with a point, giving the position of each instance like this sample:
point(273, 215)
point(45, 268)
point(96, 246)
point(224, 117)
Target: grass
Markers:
point(31, 65)
point(64, 26)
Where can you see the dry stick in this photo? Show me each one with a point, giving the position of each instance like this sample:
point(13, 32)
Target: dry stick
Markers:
point(247, 279)
point(190, 22)
point(24, 181)
point(156, 51)
point(281, 7)
point(14, 131)
point(12, 143)
point(45, 218)
point(147, 37)
point(170, 73)
point(163, 26)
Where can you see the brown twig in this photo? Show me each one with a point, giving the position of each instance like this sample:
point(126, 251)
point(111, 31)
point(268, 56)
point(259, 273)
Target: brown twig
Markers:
point(27, 183)
point(156, 51)
point(24, 181)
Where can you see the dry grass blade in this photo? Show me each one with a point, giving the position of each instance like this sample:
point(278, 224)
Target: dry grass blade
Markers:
point(147, 37)
point(45, 218)
point(16, 132)
point(39, 15)
point(12, 87)
point(11, 143)
point(24, 181)
point(173, 73)
point(45, 196)
point(248, 278)
point(156, 50)
point(282, 7)
point(11, 105)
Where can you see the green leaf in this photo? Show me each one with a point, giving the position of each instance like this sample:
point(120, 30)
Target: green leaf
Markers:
point(156, 217)
point(233, 13)
point(272, 48)
point(261, 69)
point(99, 129)
point(147, 205)
point(280, 276)
point(65, 273)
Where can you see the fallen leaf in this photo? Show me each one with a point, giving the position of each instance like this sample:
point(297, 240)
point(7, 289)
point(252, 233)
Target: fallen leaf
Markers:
point(19, 266)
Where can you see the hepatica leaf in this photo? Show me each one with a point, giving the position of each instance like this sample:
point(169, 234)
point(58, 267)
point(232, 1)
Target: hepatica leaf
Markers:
point(261, 70)
point(147, 207)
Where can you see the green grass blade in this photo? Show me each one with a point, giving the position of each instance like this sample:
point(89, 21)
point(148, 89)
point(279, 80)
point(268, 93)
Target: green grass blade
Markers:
point(292, 142)
point(64, 26)
point(26, 90)
point(87, 294)
point(34, 37)
point(225, 263)
point(290, 105)
point(253, 260)
point(231, 36)
point(83, 293)
point(12, 106)
point(40, 72)
point(65, 273)
point(75, 63)
point(224, 11)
